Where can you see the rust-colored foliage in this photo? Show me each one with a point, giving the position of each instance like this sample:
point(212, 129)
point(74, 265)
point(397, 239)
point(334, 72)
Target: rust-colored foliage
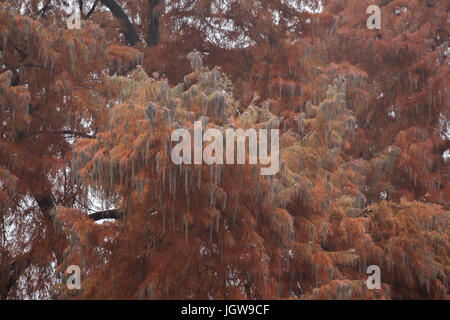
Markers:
point(363, 122)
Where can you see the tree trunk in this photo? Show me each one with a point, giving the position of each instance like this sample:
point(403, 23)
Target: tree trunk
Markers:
point(15, 269)
point(154, 16)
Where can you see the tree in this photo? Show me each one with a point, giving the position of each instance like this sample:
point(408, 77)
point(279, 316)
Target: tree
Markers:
point(49, 95)
point(362, 119)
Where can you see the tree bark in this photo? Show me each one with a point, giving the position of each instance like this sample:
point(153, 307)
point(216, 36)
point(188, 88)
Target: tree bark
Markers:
point(129, 31)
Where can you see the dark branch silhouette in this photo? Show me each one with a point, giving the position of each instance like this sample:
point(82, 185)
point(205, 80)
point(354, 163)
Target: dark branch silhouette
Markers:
point(92, 9)
point(130, 32)
point(108, 214)
point(115, 214)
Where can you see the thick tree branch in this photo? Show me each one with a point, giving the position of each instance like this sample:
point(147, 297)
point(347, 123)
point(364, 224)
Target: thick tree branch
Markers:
point(108, 214)
point(115, 214)
point(130, 32)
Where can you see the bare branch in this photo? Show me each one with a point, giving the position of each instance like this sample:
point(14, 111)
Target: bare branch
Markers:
point(115, 214)
point(130, 32)
point(92, 9)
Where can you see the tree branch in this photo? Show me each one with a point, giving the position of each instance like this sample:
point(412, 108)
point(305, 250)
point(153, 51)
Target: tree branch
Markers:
point(75, 134)
point(64, 132)
point(13, 272)
point(130, 32)
point(115, 214)
point(80, 6)
point(92, 9)
point(44, 9)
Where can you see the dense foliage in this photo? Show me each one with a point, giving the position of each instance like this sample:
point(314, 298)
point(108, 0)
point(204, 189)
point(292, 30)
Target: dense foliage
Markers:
point(85, 135)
